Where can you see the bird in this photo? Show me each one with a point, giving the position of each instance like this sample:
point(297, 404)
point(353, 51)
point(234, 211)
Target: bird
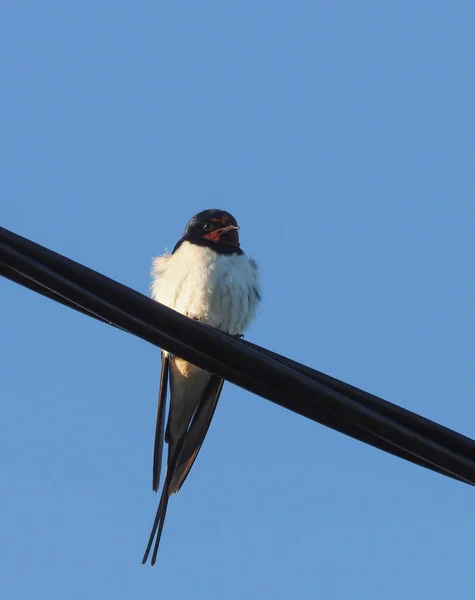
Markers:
point(210, 279)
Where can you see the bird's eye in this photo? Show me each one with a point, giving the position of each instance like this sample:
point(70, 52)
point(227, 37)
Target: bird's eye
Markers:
point(207, 226)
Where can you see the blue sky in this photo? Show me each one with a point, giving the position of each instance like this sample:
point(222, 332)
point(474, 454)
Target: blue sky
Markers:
point(341, 136)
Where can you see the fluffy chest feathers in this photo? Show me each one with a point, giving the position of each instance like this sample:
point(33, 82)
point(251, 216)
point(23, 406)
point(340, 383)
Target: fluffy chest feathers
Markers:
point(221, 290)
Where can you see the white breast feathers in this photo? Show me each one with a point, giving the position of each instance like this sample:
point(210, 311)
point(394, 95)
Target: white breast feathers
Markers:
point(221, 290)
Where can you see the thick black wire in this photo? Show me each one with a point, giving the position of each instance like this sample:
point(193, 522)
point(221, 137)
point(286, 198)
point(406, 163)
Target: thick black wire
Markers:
point(463, 443)
point(328, 420)
point(204, 346)
point(435, 431)
point(324, 419)
point(146, 299)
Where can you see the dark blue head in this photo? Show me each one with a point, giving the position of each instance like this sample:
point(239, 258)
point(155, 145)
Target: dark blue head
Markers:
point(214, 228)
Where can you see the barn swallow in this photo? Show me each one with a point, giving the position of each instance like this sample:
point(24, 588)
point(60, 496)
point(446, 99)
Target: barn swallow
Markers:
point(208, 278)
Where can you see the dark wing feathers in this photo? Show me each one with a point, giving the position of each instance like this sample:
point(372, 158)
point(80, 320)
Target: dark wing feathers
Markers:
point(160, 423)
point(196, 434)
point(179, 465)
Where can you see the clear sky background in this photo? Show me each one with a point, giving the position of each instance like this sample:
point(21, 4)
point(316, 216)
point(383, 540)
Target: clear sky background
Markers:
point(341, 136)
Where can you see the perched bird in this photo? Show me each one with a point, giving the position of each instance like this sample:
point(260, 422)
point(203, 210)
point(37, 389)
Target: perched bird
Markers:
point(208, 278)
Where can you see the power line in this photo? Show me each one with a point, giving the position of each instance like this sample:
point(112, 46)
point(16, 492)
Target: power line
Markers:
point(288, 383)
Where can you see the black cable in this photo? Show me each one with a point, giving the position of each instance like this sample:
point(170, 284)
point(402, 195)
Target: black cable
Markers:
point(285, 382)
point(328, 420)
point(461, 442)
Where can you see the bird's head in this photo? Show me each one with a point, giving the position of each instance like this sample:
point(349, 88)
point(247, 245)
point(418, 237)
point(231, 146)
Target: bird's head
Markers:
point(215, 228)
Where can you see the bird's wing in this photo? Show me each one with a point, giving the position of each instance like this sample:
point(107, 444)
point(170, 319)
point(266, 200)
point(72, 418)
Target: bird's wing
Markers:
point(196, 433)
point(194, 395)
point(160, 424)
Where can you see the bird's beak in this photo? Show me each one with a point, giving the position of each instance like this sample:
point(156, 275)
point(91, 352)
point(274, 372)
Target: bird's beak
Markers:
point(229, 228)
